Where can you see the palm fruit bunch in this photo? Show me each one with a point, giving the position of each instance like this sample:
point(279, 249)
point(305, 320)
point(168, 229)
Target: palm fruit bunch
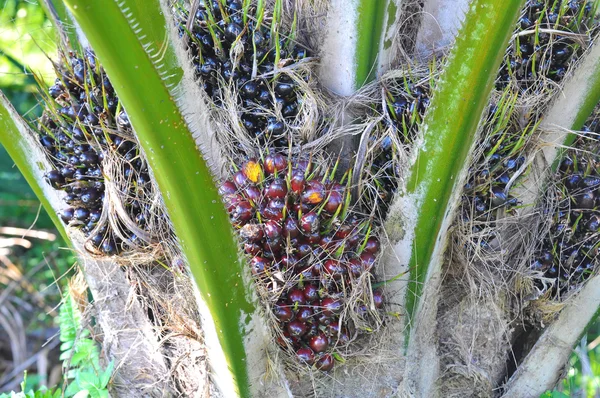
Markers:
point(488, 184)
point(406, 103)
point(82, 126)
point(310, 255)
point(233, 48)
point(569, 254)
point(539, 48)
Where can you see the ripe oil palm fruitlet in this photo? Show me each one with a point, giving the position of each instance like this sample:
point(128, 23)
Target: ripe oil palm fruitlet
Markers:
point(360, 198)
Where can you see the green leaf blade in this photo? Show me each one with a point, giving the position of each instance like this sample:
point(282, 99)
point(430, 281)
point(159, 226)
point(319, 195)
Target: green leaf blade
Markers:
point(450, 126)
point(371, 15)
point(188, 188)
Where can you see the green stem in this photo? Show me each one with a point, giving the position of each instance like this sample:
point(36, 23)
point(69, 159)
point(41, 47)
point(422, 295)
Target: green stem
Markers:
point(187, 186)
point(371, 15)
point(449, 130)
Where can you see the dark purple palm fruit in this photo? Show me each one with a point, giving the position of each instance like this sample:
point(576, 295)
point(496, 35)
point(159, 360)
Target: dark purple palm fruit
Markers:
point(547, 54)
point(296, 229)
point(406, 101)
point(259, 100)
point(77, 132)
point(569, 254)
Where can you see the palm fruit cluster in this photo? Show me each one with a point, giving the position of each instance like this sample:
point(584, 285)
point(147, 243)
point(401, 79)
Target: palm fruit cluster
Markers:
point(82, 125)
point(569, 253)
point(310, 255)
point(539, 48)
point(233, 48)
point(493, 172)
point(406, 103)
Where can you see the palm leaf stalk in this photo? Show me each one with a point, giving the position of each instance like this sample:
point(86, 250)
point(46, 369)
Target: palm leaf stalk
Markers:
point(449, 132)
point(139, 38)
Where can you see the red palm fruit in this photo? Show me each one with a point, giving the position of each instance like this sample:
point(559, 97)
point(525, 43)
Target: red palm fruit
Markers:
point(283, 312)
point(296, 341)
point(252, 248)
point(336, 187)
point(297, 182)
point(325, 363)
point(304, 314)
point(334, 201)
point(311, 292)
point(343, 231)
point(274, 162)
point(273, 230)
point(368, 260)
point(326, 242)
point(274, 210)
point(242, 213)
point(334, 268)
point(308, 273)
point(252, 193)
point(313, 329)
point(284, 340)
point(258, 265)
point(253, 171)
point(230, 201)
point(309, 223)
point(297, 328)
point(333, 329)
point(277, 189)
point(355, 267)
point(319, 343)
point(317, 268)
point(273, 245)
point(331, 306)
point(324, 319)
point(304, 249)
point(288, 261)
point(353, 240)
point(339, 338)
point(290, 228)
point(302, 165)
point(372, 245)
point(267, 253)
point(305, 355)
point(313, 239)
point(251, 232)
point(227, 188)
point(314, 192)
point(300, 207)
point(293, 243)
point(296, 296)
point(241, 180)
point(378, 298)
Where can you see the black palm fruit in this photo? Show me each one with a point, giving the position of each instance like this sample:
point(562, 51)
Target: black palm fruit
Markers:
point(76, 145)
point(261, 50)
point(539, 49)
point(570, 252)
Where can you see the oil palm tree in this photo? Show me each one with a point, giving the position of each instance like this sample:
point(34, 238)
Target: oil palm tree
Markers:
point(458, 317)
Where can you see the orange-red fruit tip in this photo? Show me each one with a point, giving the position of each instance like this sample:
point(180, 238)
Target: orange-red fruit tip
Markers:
point(253, 171)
